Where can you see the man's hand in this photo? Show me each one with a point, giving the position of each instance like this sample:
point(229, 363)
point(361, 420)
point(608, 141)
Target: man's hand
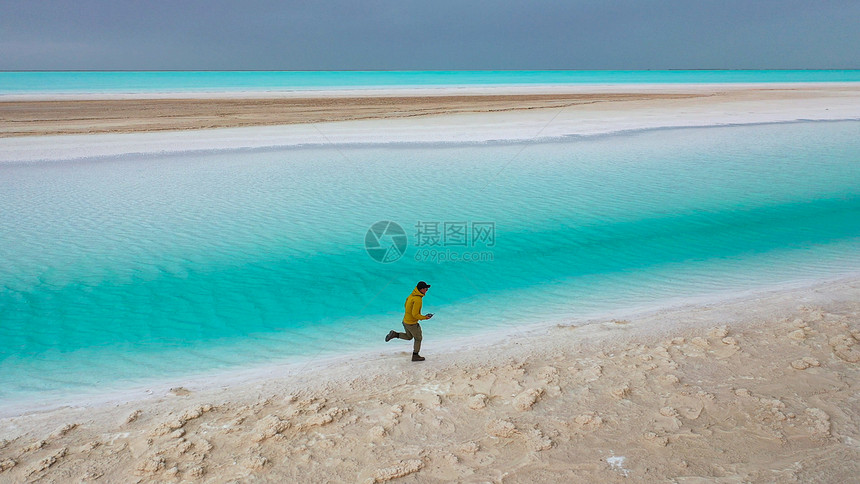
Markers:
point(429, 315)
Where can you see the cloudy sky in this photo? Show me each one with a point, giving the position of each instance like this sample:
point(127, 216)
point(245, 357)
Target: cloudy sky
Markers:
point(429, 34)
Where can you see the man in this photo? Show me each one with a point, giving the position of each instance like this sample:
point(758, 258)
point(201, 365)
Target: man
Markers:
point(411, 318)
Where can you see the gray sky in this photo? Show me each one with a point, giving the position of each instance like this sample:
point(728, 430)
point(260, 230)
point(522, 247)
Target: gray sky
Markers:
point(429, 34)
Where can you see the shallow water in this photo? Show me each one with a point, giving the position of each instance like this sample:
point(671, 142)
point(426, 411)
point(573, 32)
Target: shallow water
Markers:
point(116, 271)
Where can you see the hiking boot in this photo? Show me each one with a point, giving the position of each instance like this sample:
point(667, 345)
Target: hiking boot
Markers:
point(390, 336)
point(417, 357)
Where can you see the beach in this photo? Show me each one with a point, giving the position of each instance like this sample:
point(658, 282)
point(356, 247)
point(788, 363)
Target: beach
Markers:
point(756, 385)
point(759, 388)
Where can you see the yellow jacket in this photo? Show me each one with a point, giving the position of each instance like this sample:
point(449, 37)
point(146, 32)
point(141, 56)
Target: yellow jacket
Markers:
point(413, 308)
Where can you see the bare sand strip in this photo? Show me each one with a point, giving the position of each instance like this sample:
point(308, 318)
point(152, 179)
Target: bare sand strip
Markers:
point(29, 118)
point(135, 115)
point(763, 388)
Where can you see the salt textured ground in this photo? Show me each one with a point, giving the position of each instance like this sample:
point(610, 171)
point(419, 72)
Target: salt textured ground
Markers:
point(762, 388)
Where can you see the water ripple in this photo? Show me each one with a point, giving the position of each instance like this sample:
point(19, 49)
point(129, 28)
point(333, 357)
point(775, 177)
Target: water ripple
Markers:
point(130, 269)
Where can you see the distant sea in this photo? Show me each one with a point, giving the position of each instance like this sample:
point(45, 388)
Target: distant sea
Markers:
point(129, 82)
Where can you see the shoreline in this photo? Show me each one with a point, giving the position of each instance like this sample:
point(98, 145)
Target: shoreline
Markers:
point(209, 380)
point(141, 391)
point(430, 120)
point(707, 346)
point(95, 148)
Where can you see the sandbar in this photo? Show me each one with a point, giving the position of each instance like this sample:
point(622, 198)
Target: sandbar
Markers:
point(62, 129)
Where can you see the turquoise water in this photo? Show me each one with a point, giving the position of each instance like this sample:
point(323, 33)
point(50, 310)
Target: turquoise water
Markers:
point(119, 270)
point(76, 82)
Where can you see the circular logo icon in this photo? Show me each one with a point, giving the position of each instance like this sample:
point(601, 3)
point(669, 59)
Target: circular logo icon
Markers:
point(385, 241)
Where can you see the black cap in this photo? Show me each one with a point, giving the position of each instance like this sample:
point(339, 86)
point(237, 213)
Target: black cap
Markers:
point(422, 285)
